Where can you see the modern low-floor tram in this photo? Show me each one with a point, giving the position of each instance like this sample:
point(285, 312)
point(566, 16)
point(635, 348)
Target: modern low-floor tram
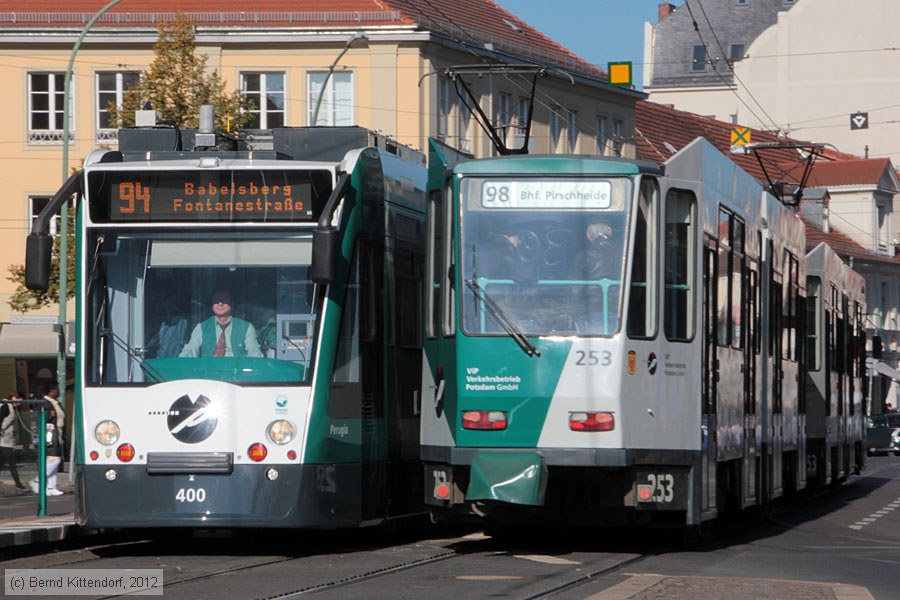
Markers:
point(307, 416)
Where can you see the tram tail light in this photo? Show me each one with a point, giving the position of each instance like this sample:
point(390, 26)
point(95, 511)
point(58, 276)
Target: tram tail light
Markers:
point(125, 452)
point(257, 452)
point(592, 421)
point(484, 419)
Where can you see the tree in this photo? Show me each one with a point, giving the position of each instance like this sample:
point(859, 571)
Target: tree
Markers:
point(177, 83)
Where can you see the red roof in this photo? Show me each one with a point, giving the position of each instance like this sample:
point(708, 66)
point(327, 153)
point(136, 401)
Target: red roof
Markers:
point(861, 171)
point(661, 131)
point(478, 22)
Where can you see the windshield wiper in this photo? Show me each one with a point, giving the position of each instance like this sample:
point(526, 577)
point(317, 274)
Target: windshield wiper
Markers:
point(495, 311)
point(151, 372)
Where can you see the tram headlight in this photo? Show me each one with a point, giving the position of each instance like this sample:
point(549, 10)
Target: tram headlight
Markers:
point(107, 432)
point(280, 432)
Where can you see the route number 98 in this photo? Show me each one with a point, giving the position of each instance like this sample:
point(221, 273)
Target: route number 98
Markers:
point(190, 495)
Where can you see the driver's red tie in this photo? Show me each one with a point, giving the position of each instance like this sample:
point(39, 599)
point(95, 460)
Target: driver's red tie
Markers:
point(220, 345)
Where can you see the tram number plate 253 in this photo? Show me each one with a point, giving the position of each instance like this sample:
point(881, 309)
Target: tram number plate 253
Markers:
point(663, 489)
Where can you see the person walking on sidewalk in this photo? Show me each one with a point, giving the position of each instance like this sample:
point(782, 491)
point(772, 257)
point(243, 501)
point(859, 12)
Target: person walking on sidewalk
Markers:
point(8, 437)
point(56, 420)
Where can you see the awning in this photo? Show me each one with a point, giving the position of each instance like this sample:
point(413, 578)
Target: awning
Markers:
point(29, 340)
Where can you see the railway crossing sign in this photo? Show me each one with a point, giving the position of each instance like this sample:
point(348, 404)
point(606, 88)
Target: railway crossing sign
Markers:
point(740, 136)
point(859, 120)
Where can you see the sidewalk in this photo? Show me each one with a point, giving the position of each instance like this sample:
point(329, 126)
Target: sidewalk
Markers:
point(19, 523)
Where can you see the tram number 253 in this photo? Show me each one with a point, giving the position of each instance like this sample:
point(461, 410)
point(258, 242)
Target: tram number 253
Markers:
point(658, 487)
point(190, 495)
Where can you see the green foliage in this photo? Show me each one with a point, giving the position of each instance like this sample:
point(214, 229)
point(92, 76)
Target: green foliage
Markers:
point(177, 83)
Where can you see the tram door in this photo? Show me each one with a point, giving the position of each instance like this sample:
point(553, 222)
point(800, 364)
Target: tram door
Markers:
point(710, 377)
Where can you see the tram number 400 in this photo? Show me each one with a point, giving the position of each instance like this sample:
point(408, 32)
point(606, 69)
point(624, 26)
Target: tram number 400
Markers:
point(190, 495)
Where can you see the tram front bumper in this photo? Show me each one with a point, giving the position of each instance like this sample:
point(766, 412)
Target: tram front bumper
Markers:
point(512, 477)
point(308, 496)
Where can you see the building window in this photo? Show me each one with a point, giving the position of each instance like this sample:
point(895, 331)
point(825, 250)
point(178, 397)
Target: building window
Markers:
point(572, 129)
point(600, 135)
point(883, 230)
point(45, 108)
point(617, 127)
point(443, 108)
point(555, 128)
point(699, 58)
point(266, 92)
point(111, 88)
point(741, 2)
point(336, 108)
point(736, 52)
point(35, 205)
point(522, 115)
point(504, 118)
point(465, 117)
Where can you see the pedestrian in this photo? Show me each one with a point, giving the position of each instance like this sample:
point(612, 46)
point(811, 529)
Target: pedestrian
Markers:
point(53, 438)
point(8, 437)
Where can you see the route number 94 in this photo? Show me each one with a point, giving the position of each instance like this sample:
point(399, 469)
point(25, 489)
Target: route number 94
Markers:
point(190, 495)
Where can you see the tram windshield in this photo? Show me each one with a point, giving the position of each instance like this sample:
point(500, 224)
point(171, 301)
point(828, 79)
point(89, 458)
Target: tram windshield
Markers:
point(163, 306)
point(543, 256)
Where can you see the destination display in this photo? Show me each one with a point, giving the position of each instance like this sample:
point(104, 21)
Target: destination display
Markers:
point(546, 193)
point(252, 195)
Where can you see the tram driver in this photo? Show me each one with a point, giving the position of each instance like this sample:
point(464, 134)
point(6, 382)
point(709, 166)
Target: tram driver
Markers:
point(222, 334)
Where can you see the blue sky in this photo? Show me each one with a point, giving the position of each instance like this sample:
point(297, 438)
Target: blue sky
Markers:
point(599, 31)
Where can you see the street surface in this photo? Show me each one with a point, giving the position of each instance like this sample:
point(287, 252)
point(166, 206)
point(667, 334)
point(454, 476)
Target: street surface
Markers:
point(842, 544)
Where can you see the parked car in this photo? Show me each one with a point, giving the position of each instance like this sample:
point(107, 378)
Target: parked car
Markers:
point(883, 434)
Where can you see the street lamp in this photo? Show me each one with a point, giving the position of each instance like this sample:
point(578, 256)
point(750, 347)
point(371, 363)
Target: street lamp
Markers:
point(64, 210)
point(355, 37)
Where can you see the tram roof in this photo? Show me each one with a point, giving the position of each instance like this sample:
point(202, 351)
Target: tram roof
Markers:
point(557, 164)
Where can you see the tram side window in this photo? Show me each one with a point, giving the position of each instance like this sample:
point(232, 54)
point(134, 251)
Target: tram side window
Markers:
point(435, 265)
point(642, 303)
point(408, 301)
point(678, 320)
point(448, 273)
point(723, 295)
point(737, 282)
point(790, 307)
point(814, 324)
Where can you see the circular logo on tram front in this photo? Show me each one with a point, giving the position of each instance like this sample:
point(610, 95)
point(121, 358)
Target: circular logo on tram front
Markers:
point(191, 421)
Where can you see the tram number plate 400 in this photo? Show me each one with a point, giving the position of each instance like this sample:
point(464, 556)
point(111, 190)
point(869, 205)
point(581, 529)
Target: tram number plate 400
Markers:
point(190, 495)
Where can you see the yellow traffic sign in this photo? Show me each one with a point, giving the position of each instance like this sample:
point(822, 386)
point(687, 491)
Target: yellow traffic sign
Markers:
point(619, 73)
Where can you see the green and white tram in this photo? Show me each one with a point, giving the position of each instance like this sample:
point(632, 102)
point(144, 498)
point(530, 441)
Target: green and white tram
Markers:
point(610, 341)
point(307, 416)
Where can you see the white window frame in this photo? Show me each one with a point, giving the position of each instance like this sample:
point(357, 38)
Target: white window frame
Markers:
point(553, 124)
point(600, 134)
point(33, 213)
point(882, 227)
point(55, 86)
point(464, 119)
point(329, 109)
point(504, 115)
point(572, 129)
point(617, 126)
point(110, 134)
point(264, 92)
point(443, 108)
